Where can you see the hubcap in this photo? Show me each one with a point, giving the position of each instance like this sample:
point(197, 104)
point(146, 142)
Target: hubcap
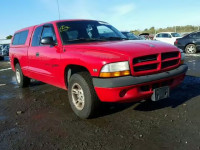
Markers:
point(18, 76)
point(78, 98)
point(191, 49)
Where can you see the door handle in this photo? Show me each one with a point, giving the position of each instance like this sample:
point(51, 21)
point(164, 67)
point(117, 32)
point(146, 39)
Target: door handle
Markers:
point(37, 54)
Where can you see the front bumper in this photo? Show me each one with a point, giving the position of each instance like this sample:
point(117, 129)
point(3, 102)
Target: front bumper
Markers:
point(132, 88)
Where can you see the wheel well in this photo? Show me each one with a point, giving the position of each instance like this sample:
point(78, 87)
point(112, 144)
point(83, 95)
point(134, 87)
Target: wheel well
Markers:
point(188, 44)
point(16, 61)
point(72, 69)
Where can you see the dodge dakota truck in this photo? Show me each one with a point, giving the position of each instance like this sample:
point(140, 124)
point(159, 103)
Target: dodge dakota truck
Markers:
point(95, 63)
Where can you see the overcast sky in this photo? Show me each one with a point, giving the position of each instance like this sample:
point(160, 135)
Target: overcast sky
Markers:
point(123, 14)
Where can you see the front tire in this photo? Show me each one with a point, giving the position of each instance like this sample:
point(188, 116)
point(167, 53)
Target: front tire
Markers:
point(22, 80)
point(82, 96)
point(190, 49)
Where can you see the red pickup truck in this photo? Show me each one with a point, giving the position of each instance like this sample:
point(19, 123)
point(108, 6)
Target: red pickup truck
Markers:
point(95, 62)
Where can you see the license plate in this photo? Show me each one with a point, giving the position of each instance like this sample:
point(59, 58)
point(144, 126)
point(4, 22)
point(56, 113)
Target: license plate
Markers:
point(160, 93)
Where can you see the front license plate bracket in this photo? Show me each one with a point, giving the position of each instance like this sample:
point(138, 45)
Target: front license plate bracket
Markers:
point(160, 93)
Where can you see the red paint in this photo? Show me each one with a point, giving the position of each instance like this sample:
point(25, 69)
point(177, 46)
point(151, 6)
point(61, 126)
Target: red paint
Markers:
point(50, 66)
point(133, 93)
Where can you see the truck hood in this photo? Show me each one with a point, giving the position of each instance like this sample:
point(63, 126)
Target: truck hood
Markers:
point(130, 48)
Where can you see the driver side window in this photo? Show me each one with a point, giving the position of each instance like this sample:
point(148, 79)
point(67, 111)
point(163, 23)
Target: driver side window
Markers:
point(48, 32)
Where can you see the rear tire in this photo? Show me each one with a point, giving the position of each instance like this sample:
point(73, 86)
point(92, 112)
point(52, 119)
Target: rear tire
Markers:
point(82, 96)
point(22, 80)
point(190, 49)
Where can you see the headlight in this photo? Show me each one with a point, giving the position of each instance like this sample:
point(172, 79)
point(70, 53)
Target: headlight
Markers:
point(115, 69)
point(182, 56)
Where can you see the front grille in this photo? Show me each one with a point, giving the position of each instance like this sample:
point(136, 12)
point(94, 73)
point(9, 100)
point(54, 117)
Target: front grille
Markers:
point(169, 63)
point(169, 55)
point(145, 67)
point(155, 62)
point(145, 59)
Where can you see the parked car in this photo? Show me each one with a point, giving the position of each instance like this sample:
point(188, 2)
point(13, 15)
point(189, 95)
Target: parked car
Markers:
point(130, 36)
point(184, 34)
point(189, 43)
point(146, 36)
point(168, 37)
point(93, 61)
point(4, 47)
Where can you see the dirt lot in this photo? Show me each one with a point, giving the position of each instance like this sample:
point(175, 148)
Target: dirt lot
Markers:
point(39, 117)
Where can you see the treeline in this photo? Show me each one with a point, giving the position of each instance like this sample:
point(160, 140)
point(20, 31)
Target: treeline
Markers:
point(179, 29)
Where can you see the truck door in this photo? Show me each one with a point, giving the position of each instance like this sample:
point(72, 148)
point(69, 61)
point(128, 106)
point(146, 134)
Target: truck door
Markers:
point(44, 59)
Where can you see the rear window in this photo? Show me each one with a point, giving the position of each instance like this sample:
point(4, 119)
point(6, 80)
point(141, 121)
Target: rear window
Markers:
point(175, 35)
point(195, 35)
point(163, 35)
point(20, 38)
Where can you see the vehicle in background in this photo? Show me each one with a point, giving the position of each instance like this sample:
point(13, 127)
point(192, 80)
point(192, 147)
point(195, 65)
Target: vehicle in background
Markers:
point(95, 63)
point(184, 33)
point(189, 43)
point(168, 37)
point(130, 36)
point(146, 36)
point(141, 37)
point(4, 48)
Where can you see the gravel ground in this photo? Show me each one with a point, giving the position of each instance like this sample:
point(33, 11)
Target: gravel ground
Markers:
point(39, 117)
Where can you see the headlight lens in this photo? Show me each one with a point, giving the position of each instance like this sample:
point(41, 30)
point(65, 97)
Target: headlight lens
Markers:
point(115, 69)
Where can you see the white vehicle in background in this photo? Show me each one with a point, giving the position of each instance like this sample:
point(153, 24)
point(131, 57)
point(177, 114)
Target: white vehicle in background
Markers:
point(168, 37)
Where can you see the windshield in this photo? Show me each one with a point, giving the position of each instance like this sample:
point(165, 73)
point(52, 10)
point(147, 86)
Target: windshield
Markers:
point(87, 31)
point(175, 35)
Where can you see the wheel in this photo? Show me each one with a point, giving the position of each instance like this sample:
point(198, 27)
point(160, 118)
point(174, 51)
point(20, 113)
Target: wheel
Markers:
point(190, 49)
point(22, 80)
point(82, 96)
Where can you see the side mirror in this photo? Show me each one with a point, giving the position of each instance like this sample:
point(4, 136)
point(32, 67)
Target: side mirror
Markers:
point(47, 41)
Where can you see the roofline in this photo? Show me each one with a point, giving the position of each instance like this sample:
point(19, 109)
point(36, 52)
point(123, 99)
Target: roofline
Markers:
point(55, 21)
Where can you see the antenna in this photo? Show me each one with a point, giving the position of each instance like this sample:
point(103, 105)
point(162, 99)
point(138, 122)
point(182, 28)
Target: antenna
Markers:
point(58, 10)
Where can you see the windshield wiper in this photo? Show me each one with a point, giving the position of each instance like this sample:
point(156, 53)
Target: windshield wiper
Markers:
point(96, 39)
point(84, 39)
point(115, 38)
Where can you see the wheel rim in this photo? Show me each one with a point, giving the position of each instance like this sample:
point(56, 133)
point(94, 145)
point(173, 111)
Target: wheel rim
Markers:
point(191, 49)
point(18, 76)
point(78, 98)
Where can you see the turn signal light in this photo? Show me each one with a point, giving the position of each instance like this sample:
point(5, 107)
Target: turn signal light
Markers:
point(114, 74)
